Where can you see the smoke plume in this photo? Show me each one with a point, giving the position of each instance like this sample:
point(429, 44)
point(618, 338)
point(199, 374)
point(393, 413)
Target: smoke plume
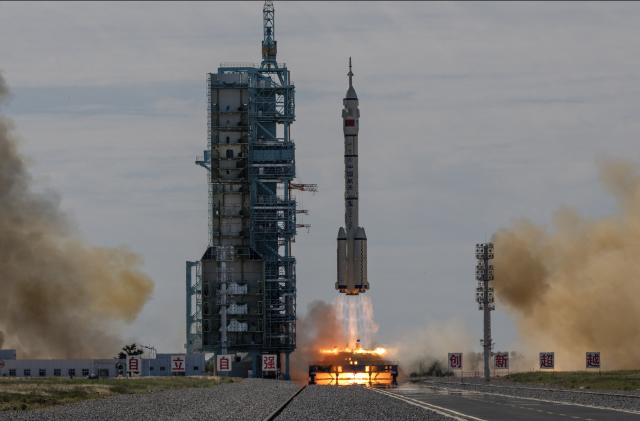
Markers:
point(428, 347)
point(574, 287)
point(320, 328)
point(59, 297)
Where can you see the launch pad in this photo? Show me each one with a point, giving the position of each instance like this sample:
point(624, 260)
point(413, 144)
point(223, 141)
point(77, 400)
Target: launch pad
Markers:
point(357, 366)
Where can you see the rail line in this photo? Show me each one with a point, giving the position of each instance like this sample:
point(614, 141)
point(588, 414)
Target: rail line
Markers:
point(278, 411)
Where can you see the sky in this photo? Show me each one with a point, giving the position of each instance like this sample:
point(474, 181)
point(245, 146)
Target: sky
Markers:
point(473, 116)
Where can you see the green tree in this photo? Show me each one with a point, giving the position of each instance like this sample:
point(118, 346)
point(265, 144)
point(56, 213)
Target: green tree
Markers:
point(129, 350)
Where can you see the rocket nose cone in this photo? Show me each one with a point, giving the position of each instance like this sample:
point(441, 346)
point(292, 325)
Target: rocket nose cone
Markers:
point(351, 93)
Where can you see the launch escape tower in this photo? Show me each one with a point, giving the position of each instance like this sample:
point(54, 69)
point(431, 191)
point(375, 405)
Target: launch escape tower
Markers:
point(242, 299)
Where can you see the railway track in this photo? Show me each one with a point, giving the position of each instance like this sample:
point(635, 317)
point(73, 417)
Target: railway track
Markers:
point(278, 411)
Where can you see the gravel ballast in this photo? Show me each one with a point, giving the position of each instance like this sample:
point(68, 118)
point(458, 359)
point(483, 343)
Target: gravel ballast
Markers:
point(601, 399)
point(352, 403)
point(249, 399)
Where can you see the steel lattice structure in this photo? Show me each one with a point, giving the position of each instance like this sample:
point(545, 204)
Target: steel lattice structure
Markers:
point(485, 298)
point(246, 302)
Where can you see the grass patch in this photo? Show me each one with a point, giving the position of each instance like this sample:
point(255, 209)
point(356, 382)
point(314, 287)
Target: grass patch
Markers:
point(607, 380)
point(31, 393)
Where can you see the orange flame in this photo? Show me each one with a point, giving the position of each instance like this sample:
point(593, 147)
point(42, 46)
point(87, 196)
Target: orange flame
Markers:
point(335, 351)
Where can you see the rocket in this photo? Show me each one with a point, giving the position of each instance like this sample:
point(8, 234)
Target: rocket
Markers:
point(352, 240)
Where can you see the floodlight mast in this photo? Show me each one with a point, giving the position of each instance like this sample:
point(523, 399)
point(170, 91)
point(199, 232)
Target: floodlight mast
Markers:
point(485, 299)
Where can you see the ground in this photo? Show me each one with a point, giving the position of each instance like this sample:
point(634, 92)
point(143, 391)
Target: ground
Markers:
point(429, 398)
point(606, 380)
point(31, 393)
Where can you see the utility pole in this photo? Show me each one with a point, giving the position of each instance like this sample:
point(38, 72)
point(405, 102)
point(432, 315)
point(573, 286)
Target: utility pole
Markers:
point(485, 299)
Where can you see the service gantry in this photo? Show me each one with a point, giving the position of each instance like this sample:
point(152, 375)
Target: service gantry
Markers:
point(242, 299)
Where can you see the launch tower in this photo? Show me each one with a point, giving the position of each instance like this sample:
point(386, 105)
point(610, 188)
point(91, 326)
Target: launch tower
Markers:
point(242, 299)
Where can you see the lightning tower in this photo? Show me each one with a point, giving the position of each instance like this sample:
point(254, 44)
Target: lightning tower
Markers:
point(485, 299)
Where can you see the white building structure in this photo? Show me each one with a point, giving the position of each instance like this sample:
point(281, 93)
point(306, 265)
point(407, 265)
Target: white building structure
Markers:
point(161, 365)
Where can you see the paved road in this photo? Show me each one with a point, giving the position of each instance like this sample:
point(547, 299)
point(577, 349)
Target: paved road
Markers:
point(480, 406)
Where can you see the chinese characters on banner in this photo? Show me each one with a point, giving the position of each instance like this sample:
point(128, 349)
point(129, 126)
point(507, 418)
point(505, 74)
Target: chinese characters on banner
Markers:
point(593, 360)
point(269, 362)
point(455, 360)
point(134, 365)
point(547, 360)
point(501, 360)
point(223, 363)
point(178, 364)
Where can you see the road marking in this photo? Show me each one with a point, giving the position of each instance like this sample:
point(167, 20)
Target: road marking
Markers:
point(626, 411)
point(459, 416)
point(546, 389)
point(477, 397)
point(521, 406)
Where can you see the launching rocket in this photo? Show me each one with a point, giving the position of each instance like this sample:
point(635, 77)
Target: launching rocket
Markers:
point(352, 241)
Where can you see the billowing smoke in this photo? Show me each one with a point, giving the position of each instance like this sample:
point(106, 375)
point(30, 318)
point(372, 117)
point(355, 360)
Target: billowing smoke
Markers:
point(320, 328)
point(59, 297)
point(574, 286)
point(422, 351)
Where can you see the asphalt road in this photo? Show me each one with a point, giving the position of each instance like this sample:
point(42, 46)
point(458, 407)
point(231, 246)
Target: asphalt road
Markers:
point(481, 406)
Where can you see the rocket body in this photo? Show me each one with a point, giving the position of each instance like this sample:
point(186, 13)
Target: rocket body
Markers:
point(352, 240)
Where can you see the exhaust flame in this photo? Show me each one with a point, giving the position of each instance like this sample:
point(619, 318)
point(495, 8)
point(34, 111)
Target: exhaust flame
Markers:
point(320, 359)
point(356, 314)
point(355, 365)
point(356, 350)
point(60, 296)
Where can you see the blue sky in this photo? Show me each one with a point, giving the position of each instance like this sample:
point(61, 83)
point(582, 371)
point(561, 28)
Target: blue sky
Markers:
point(473, 115)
